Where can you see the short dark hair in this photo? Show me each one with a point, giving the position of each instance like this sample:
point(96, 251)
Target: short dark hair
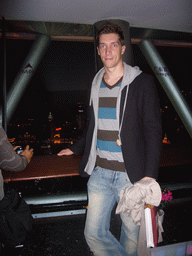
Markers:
point(110, 28)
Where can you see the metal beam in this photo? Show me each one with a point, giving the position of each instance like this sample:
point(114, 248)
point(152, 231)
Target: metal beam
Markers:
point(26, 72)
point(72, 199)
point(163, 75)
point(134, 40)
point(3, 116)
point(56, 199)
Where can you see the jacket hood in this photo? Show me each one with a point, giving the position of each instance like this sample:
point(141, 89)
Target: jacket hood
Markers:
point(130, 73)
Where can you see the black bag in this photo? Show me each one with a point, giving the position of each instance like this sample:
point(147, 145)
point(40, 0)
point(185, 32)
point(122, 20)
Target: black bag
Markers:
point(15, 219)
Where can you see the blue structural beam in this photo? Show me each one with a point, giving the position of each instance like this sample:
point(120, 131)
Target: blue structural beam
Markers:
point(26, 72)
point(163, 75)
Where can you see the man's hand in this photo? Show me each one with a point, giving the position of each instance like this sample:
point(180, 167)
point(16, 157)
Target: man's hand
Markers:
point(148, 178)
point(15, 147)
point(65, 152)
point(148, 205)
point(28, 153)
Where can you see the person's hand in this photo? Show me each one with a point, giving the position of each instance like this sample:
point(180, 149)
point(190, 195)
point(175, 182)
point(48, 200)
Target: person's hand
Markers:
point(28, 153)
point(15, 147)
point(148, 178)
point(65, 152)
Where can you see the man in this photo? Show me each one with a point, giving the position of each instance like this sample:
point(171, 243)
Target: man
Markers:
point(9, 160)
point(122, 143)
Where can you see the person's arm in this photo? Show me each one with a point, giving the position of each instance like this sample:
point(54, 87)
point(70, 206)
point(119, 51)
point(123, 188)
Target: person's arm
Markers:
point(152, 130)
point(9, 160)
point(77, 148)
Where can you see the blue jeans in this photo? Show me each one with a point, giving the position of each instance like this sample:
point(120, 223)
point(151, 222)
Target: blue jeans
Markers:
point(104, 188)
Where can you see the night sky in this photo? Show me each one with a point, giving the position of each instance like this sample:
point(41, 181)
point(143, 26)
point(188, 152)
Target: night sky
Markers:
point(66, 71)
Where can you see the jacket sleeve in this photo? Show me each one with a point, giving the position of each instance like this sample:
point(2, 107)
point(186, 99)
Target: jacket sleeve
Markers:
point(9, 160)
point(152, 129)
point(79, 146)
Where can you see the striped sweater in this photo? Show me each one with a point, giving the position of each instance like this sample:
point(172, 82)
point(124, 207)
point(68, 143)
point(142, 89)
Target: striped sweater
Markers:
point(9, 160)
point(109, 155)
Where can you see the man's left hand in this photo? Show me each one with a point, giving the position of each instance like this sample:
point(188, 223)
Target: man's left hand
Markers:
point(148, 178)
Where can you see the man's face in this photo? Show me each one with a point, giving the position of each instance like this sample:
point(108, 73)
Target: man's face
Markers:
point(110, 50)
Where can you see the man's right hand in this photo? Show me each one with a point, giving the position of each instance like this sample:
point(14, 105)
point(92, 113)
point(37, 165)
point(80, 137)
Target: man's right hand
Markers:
point(28, 153)
point(65, 152)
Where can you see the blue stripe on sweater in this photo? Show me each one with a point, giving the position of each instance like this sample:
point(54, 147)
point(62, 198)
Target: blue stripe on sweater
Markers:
point(104, 86)
point(108, 146)
point(107, 113)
